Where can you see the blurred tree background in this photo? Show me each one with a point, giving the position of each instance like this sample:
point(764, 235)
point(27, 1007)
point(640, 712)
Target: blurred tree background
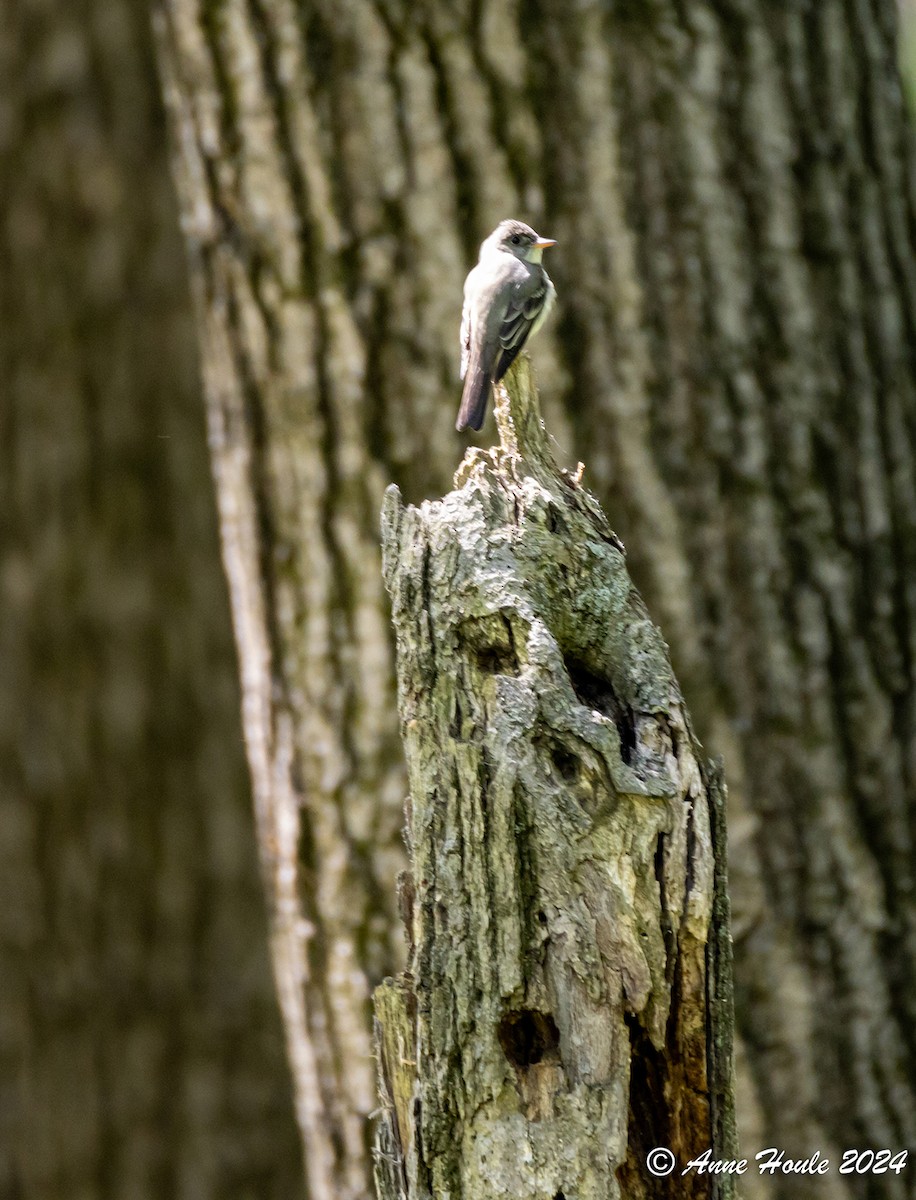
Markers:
point(141, 1053)
point(908, 48)
point(731, 183)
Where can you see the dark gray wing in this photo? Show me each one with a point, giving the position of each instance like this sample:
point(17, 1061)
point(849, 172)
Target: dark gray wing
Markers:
point(523, 316)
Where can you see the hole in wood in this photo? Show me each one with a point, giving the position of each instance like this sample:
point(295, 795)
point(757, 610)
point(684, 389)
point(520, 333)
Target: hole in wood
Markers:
point(527, 1036)
point(492, 643)
point(497, 660)
point(649, 1121)
point(555, 521)
point(599, 694)
point(567, 764)
point(564, 765)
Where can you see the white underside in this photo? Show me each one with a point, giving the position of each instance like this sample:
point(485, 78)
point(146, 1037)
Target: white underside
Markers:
point(549, 301)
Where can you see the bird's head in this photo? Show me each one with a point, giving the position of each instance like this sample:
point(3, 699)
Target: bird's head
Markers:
point(515, 237)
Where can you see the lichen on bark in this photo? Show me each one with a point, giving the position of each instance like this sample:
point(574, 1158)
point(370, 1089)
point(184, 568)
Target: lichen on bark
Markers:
point(566, 1006)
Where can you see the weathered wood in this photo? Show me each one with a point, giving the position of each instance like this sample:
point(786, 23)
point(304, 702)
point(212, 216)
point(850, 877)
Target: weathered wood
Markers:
point(567, 1002)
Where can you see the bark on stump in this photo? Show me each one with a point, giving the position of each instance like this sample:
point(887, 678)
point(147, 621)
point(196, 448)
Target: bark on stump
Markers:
point(567, 1004)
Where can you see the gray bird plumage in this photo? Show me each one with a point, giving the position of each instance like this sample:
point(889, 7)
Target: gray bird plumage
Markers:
point(507, 297)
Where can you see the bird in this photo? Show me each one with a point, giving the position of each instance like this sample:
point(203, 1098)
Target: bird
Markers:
point(507, 297)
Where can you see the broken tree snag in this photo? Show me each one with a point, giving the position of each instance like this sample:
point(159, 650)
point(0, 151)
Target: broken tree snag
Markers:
point(567, 1005)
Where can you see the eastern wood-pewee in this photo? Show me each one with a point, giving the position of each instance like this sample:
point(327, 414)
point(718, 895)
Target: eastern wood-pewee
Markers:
point(506, 298)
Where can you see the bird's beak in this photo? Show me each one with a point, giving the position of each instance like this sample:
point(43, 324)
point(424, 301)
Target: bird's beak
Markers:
point(543, 243)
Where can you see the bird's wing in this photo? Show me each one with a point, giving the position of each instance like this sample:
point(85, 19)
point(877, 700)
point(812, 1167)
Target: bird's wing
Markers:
point(465, 335)
point(465, 338)
point(524, 314)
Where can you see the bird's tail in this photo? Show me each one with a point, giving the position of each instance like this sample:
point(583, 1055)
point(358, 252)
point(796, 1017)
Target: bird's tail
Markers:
point(473, 399)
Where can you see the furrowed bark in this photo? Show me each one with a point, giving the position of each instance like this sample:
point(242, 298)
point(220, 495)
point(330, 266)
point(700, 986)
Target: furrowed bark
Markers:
point(281, 364)
point(567, 1003)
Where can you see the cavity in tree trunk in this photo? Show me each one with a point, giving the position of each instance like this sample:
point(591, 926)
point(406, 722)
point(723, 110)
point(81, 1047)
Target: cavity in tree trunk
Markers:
point(566, 1007)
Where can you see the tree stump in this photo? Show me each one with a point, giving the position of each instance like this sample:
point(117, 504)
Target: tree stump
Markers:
point(567, 1003)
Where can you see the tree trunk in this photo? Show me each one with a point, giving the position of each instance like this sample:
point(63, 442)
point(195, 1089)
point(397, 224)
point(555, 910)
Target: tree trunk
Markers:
point(567, 1007)
point(298, 518)
point(730, 182)
point(141, 1052)
point(766, 181)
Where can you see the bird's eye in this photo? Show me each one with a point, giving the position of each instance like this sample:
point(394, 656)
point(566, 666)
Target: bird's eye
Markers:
point(516, 240)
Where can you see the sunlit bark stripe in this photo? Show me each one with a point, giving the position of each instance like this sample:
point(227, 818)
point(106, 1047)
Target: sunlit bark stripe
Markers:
point(284, 366)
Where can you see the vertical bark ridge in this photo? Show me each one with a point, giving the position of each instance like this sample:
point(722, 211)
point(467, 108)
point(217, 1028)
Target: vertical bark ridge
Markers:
point(283, 379)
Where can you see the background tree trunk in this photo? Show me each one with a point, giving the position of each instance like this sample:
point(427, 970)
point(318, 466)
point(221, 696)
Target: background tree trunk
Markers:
point(566, 1014)
point(731, 185)
point(141, 1053)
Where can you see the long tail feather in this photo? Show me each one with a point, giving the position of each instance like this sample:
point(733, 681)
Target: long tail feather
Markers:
point(473, 400)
